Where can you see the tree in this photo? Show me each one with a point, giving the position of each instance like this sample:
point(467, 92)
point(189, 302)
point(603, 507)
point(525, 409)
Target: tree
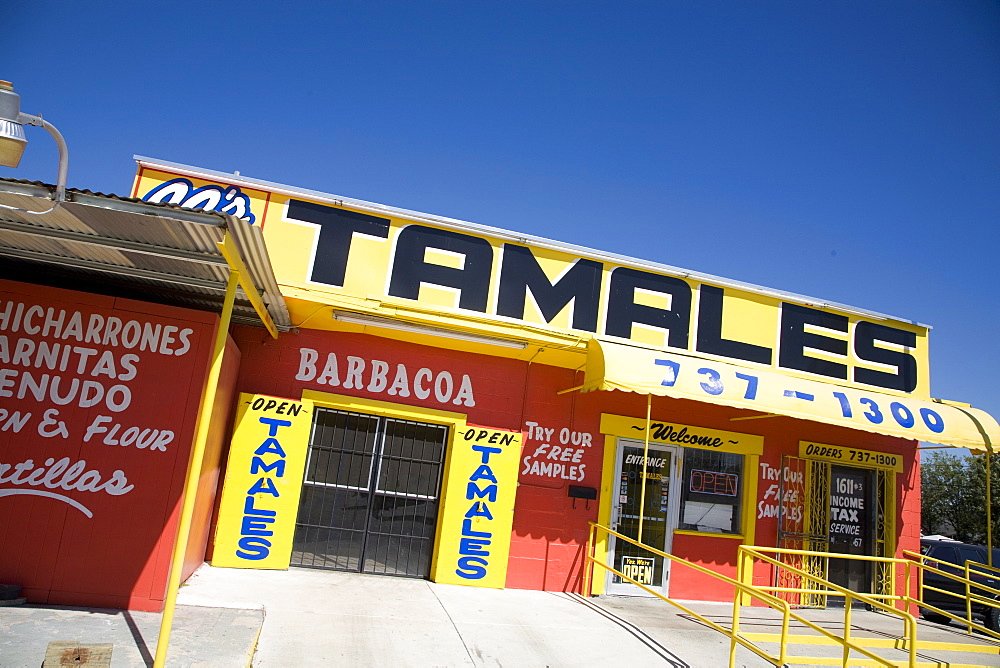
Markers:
point(953, 496)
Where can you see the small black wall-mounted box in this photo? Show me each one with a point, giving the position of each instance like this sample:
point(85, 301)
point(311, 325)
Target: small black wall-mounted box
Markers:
point(581, 492)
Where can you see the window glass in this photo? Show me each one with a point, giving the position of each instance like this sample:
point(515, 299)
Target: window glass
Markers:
point(971, 554)
point(946, 553)
point(711, 491)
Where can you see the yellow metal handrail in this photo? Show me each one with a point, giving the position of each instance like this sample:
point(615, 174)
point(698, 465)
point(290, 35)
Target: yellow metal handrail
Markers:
point(747, 553)
point(744, 590)
point(894, 604)
point(741, 588)
point(969, 568)
point(756, 550)
point(984, 567)
point(974, 591)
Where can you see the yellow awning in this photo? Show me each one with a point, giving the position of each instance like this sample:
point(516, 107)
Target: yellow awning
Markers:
point(614, 366)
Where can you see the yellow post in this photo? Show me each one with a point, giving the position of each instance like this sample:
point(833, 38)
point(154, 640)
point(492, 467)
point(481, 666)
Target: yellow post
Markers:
point(588, 565)
point(968, 598)
point(745, 561)
point(194, 472)
point(905, 602)
point(645, 460)
point(848, 602)
point(738, 595)
point(989, 508)
point(911, 624)
point(735, 629)
point(786, 613)
point(920, 582)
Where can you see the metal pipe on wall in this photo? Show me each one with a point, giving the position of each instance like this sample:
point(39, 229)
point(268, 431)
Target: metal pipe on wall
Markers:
point(645, 461)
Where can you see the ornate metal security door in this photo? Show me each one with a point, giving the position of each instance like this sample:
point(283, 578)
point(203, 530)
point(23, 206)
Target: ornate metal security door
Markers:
point(370, 495)
point(811, 531)
point(803, 525)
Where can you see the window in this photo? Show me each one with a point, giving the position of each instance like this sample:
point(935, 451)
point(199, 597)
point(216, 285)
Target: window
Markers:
point(974, 554)
point(946, 554)
point(711, 491)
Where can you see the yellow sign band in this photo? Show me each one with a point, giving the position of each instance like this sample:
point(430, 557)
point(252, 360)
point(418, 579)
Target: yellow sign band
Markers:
point(839, 454)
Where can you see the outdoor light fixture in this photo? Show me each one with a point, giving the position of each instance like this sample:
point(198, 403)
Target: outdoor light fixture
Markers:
point(375, 321)
point(13, 141)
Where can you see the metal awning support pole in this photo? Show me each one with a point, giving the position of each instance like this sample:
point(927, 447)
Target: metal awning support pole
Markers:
point(645, 461)
point(194, 471)
point(989, 507)
point(231, 252)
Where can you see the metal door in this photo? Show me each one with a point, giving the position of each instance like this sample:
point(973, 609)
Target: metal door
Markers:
point(370, 495)
point(851, 528)
point(803, 507)
point(659, 516)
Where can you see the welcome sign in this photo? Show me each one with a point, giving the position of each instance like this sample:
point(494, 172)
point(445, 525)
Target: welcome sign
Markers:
point(688, 436)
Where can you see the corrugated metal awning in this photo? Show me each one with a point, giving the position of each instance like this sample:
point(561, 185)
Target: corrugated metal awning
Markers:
point(129, 248)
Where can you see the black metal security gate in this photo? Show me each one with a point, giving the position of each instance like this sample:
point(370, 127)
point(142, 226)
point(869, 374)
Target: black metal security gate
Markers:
point(370, 495)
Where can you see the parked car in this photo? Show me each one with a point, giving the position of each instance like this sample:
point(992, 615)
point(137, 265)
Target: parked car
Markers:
point(950, 556)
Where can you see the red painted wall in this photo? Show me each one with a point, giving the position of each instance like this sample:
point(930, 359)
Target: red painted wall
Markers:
point(119, 557)
point(549, 533)
point(562, 443)
point(781, 437)
point(216, 451)
point(70, 539)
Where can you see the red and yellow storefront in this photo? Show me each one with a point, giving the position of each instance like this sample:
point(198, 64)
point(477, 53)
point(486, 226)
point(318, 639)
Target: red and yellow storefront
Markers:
point(459, 403)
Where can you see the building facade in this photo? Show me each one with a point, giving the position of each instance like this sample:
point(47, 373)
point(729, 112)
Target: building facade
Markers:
point(461, 403)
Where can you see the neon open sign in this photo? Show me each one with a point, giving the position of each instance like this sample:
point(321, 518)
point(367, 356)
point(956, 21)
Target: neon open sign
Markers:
point(712, 482)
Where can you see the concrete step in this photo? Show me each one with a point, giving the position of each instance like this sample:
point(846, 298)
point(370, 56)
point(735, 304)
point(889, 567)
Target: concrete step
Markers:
point(937, 645)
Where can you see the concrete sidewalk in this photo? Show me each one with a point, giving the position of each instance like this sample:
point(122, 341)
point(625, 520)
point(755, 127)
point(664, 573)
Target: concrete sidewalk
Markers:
point(330, 618)
point(201, 636)
point(302, 617)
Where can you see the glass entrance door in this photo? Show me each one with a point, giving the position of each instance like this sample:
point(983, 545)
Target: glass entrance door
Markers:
point(851, 528)
point(658, 509)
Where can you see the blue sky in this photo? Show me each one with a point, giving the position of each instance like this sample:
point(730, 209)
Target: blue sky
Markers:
point(845, 150)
